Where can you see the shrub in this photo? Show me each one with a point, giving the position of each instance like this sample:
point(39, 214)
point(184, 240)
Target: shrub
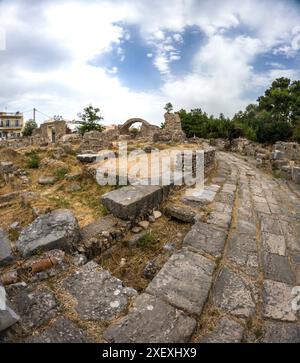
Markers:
point(147, 240)
point(33, 160)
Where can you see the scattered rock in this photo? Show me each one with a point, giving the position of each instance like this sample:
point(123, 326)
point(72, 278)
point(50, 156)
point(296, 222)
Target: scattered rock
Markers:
point(181, 213)
point(137, 229)
point(157, 214)
point(46, 180)
point(73, 187)
point(144, 224)
point(57, 229)
point(5, 248)
point(150, 270)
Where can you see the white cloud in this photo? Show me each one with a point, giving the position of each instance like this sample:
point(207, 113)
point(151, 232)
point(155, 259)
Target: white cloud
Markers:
point(47, 61)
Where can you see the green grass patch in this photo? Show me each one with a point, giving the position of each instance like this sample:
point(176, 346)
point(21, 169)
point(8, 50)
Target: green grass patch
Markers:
point(147, 240)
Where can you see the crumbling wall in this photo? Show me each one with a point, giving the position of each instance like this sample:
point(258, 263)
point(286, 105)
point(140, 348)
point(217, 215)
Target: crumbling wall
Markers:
point(172, 131)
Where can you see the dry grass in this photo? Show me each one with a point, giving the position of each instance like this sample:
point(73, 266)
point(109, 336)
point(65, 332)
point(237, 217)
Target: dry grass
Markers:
point(163, 231)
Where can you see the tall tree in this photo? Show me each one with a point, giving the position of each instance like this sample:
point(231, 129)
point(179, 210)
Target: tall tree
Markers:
point(90, 120)
point(29, 127)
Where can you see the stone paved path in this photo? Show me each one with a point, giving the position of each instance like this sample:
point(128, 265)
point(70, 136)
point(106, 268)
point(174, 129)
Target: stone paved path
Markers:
point(233, 279)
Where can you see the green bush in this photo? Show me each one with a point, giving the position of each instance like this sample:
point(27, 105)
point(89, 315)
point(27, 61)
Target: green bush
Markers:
point(61, 173)
point(147, 240)
point(33, 160)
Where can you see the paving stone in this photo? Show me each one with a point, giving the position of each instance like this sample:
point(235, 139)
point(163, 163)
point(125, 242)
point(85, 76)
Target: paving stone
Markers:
point(277, 303)
point(184, 281)
point(262, 207)
point(133, 201)
point(291, 231)
point(277, 268)
point(269, 224)
point(35, 306)
point(61, 331)
point(226, 331)
point(57, 229)
point(219, 219)
point(242, 250)
point(275, 208)
point(278, 332)
point(234, 294)
point(97, 294)
point(225, 197)
point(206, 237)
point(245, 226)
point(222, 207)
point(295, 260)
point(151, 320)
point(5, 248)
point(274, 243)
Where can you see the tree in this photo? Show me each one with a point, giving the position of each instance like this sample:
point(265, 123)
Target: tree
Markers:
point(89, 120)
point(169, 107)
point(30, 125)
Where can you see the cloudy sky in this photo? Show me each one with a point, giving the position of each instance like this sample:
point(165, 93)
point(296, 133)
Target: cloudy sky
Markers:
point(130, 57)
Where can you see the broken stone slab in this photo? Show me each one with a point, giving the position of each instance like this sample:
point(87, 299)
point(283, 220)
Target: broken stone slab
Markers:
point(46, 180)
point(199, 196)
point(57, 229)
point(281, 332)
point(62, 330)
point(7, 316)
point(108, 223)
point(277, 301)
point(36, 307)
point(184, 281)
point(8, 197)
point(133, 201)
point(270, 224)
point(87, 158)
point(207, 238)
point(226, 331)
point(97, 295)
point(234, 294)
point(180, 213)
point(151, 320)
point(278, 155)
point(5, 248)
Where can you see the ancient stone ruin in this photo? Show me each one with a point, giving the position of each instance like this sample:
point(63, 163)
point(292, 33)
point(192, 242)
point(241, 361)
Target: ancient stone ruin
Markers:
point(168, 263)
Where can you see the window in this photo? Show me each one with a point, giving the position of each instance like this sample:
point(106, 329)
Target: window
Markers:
point(1, 123)
point(7, 123)
point(17, 123)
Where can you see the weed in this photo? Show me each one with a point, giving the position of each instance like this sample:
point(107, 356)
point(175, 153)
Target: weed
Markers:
point(147, 240)
point(33, 160)
point(61, 173)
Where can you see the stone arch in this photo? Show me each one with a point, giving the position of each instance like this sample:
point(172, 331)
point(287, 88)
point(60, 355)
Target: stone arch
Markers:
point(124, 129)
point(147, 130)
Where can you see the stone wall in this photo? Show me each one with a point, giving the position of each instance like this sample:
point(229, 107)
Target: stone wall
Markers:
point(172, 132)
